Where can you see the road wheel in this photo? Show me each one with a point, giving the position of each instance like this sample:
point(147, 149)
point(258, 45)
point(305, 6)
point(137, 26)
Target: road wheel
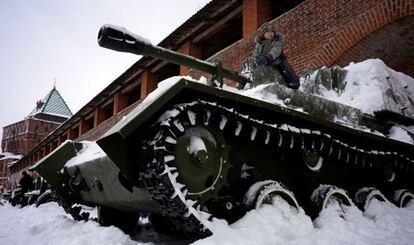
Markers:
point(44, 198)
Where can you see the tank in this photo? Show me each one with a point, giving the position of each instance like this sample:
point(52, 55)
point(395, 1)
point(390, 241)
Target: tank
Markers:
point(191, 153)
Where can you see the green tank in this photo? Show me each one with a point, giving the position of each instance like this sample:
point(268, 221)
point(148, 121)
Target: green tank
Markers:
point(191, 153)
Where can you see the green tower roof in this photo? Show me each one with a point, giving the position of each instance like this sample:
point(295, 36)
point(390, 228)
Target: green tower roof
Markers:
point(52, 104)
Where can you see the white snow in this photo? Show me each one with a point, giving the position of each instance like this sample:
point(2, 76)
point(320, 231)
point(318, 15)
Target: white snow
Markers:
point(9, 155)
point(223, 122)
point(253, 134)
point(90, 150)
point(49, 224)
point(251, 193)
point(179, 125)
point(196, 144)
point(381, 223)
point(191, 117)
point(124, 30)
point(260, 93)
point(366, 84)
point(400, 134)
point(238, 128)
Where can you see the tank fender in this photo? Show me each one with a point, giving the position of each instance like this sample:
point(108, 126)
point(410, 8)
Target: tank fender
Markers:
point(116, 148)
point(50, 167)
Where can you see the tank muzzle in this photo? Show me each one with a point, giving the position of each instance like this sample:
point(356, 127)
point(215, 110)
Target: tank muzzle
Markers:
point(120, 39)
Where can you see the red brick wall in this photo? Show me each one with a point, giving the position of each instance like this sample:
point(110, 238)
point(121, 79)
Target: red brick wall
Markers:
point(13, 137)
point(101, 129)
point(393, 43)
point(4, 183)
point(319, 32)
point(191, 49)
point(26, 134)
point(255, 12)
point(149, 82)
point(3, 173)
point(38, 129)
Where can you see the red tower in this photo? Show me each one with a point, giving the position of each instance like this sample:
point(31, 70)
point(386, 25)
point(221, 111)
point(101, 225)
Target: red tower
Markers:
point(20, 137)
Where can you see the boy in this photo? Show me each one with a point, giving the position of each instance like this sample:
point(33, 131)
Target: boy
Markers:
point(269, 52)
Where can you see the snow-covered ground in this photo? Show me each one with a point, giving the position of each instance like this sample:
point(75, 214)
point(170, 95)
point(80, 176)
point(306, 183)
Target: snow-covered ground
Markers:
point(49, 224)
point(381, 223)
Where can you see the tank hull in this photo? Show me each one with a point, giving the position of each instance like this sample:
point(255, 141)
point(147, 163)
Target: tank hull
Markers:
point(257, 141)
point(191, 151)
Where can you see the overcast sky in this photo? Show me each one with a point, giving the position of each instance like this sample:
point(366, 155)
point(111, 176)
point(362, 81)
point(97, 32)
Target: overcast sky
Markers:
point(44, 40)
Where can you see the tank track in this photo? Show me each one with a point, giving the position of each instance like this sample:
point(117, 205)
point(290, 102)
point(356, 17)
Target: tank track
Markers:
point(159, 177)
point(69, 205)
point(45, 197)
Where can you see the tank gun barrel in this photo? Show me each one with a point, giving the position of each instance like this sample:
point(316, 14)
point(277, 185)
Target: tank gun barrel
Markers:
point(122, 40)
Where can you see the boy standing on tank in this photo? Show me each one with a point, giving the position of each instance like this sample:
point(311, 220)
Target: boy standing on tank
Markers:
point(269, 52)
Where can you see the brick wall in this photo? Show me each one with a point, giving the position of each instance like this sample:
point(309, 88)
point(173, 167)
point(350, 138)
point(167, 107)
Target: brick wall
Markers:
point(4, 183)
point(22, 136)
point(101, 129)
point(393, 43)
point(3, 174)
point(191, 49)
point(320, 32)
point(149, 83)
point(255, 13)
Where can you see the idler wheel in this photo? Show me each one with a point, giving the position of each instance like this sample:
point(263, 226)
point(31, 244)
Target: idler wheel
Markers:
point(264, 192)
point(403, 197)
point(327, 195)
point(312, 160)
point(365, 195)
